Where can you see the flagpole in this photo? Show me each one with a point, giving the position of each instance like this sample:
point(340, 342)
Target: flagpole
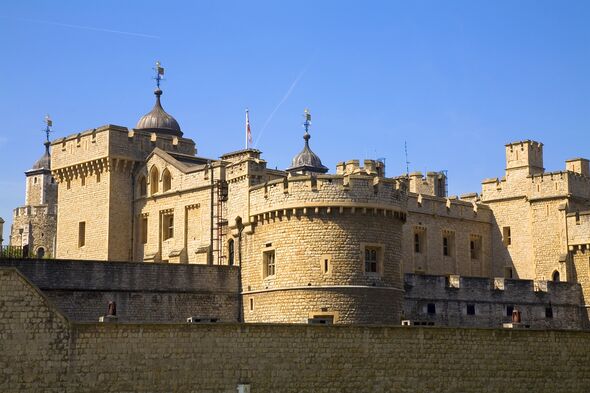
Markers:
point(247, 127)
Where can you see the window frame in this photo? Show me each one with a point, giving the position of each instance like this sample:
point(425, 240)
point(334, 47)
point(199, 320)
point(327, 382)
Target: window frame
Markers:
point(269, 258)
point(167, 226)
point(379, 249)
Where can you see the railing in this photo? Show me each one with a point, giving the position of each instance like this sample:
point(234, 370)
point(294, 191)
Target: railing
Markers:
point(18, 252)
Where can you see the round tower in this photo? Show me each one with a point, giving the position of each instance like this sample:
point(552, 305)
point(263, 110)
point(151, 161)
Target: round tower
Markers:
point(323, 249)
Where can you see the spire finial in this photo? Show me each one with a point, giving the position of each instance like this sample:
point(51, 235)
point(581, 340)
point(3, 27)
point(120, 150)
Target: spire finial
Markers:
point(306, 124)
point(48, 125)
point(159, 73)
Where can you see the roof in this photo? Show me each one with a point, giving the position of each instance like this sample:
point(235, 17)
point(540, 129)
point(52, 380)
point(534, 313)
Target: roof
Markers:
point(158, 120)
point(307, 160)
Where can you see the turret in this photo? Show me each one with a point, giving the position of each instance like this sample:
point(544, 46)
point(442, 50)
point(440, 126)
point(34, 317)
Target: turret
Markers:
point(524, 157)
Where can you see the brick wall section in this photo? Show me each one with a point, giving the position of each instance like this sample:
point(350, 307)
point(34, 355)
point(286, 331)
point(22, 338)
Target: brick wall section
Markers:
point(42, 352)
point(143, 292)
point(491, 302)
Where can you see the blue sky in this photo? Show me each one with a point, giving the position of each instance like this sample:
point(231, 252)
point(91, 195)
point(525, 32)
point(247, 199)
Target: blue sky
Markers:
point(455, 79)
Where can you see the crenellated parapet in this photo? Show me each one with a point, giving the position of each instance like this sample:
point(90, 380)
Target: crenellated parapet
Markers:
point(30, 211)
point(330, 193)
point(115, 142)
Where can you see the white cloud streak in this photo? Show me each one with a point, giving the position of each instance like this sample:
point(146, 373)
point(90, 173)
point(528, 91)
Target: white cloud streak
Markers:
point(281, 102)
point(129, 33)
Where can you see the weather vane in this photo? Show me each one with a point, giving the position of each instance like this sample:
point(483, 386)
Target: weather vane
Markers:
point(159, 73)
point(307, 122)
point(48, 125)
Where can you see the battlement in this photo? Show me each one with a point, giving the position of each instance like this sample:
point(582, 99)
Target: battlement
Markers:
point(434, 183)
point(352, 167)
point(451, 207)
point(490, 301)
point(525, 156)
point(578, 230)
point(28, 211)
point(114, 141)
point(356, 192)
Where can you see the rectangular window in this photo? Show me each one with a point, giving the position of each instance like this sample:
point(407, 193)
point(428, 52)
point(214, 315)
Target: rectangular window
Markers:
point(471, 309)
point(83, 181)
point(81, 234)
point(371, 259)
point(268, 259)
point(168, 228)
point(448, 243)
point(144, 230)
point(506, 236)
point(98, 177)
point(419, 239)
point(431, 308)
point(251, 304)
point(548, 312)
point(475, 246)
point(508, 272)
point(321, 320)
point(509, 310)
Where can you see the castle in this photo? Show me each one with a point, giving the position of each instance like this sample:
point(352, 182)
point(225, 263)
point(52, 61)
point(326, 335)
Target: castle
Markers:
point(355, 246)
point(321, 267)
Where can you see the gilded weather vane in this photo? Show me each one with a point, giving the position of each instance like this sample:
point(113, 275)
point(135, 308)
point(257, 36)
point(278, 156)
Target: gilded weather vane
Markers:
point(48, 125)
point(159, 73)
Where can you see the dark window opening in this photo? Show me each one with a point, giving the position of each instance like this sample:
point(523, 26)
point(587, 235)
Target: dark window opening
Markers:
point(417, 245)
point(431, 308)
point(371, 259)
point(509, 310)
point(548, 312)
point(471, 309)
point(230, 252)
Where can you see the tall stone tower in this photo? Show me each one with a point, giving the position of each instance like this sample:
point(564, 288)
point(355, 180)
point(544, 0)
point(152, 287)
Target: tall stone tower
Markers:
point(97, 174)
point(34, 224)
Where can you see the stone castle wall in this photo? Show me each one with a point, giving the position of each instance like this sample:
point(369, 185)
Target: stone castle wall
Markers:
point(42, 352)
point(39, 225)
point(434, 218)
point(318, 230)
point(81, 290)
point(490, 300)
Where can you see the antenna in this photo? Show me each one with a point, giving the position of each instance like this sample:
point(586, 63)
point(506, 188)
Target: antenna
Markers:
point(48, 125)
point(407, 162)
point(159, 73)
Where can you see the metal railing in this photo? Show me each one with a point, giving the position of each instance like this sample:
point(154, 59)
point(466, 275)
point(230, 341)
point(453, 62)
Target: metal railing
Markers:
point(18, 252)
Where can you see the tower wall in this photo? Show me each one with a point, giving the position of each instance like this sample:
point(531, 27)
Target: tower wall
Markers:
point(319, 230)
point(95, 172)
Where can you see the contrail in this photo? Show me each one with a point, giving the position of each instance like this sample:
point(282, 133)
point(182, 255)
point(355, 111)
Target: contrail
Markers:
point(87, 28)
point(285, 97)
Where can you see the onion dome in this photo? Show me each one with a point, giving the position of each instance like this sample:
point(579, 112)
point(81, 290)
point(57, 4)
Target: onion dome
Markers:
point(157, 120)
point(307, 161)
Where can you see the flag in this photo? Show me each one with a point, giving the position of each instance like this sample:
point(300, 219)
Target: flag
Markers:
point(248, 130)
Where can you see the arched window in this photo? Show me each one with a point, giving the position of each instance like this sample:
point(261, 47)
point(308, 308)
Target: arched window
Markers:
point(40, 253)
point(142, 186)
point(230, 252)
point(154, 180)
point(555, 276)
point(166, 180)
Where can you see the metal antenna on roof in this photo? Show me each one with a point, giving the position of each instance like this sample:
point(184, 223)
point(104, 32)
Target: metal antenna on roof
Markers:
point(407, 162)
